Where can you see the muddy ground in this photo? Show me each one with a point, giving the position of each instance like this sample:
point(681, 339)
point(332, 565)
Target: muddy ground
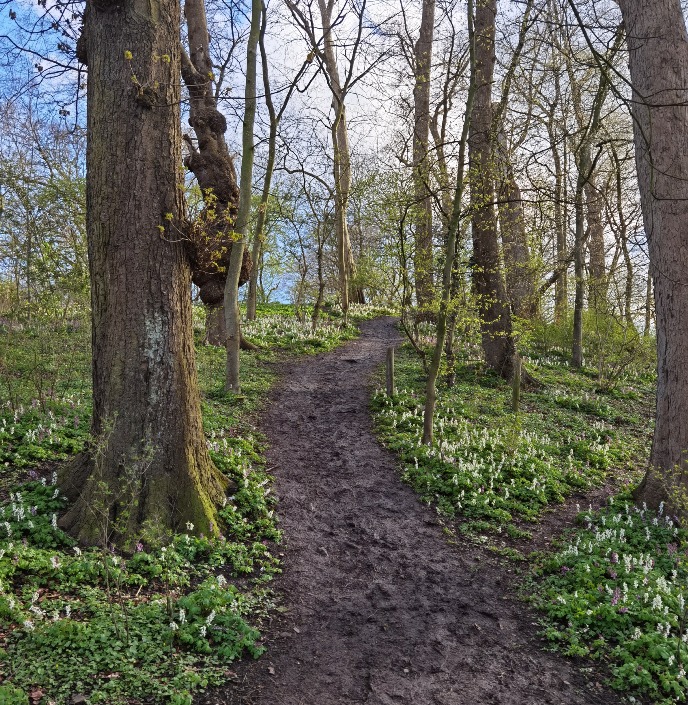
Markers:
point(381, 608)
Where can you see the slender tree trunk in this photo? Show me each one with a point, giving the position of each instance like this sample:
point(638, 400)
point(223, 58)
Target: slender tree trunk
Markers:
point(275, 118)
point(561, 285)
point(341, 161)
point(586, 166)
point(258, 235)
point(628, 288)
point(321, 278)
point(584, 169)
point(658, 57)
point(622, 241)
point(450, 254)
point(488, 281)
point(231, 297)
point(561, 253)
point(423, 259)
point(148, 470)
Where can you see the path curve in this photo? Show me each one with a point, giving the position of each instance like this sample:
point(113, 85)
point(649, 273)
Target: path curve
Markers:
point(381, 609)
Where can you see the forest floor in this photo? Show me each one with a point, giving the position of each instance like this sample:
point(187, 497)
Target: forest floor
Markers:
point(380, 604)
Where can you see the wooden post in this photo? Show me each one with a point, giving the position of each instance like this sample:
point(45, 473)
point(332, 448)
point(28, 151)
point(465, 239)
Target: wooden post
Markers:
point(516, 391)
point(390, 372)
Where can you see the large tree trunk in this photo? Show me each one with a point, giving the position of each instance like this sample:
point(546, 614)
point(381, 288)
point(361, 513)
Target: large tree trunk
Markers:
point(519, 272)
point(658, 57)
point(488, 282)
point(148, 470)
point(423, 259)
point(594, 202)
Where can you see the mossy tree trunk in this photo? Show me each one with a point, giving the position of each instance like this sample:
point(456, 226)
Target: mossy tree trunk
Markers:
point(148, 470)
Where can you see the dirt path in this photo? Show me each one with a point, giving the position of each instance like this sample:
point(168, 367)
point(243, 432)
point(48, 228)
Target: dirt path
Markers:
point(382, 610)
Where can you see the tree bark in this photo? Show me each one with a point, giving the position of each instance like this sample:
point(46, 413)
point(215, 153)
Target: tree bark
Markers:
point(488, 282)
point(658, 57)
point(648, 303)
point(519, 272)
point(561, 295)
point(594, 203)
point(423, 259)
point(148, 471)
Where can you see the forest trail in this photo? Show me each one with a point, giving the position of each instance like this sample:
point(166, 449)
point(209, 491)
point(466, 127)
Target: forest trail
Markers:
point(382, 609)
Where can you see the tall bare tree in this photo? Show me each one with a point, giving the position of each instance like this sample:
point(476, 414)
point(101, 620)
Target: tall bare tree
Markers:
point(231, 293)
point(453, 228)
point(323, 47)
point(275, 117)
point(423, 260)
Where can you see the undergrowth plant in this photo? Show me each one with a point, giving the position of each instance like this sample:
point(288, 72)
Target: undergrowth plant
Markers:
point(155, 625)
point(617, 592)
point(159, 624)
point(45, 388)
point(491, 467)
